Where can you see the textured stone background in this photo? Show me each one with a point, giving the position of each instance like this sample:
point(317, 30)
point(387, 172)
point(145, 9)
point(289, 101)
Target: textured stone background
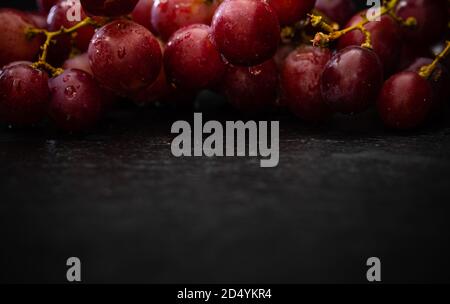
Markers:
point(133, 213)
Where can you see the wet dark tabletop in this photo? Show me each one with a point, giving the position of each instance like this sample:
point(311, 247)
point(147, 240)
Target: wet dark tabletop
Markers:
point(132, 212)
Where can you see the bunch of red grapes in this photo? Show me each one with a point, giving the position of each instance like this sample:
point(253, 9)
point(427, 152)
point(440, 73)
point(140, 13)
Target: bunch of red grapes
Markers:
point(262, 55)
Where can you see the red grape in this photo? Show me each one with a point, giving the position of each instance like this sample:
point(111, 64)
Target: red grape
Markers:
point(246, 32)
point(351, 80)
point(418, 63)
point(280, 59)
point(39, 20)
point(57, 18)
point(409, 53)
point(24, 94)
point(142, 14)
point(339, 11)
point(76, 101)
point(161, 90)
point(191, 60)
point(229, 45)
point(252, 89)
point(170, 15)
point(80, 62)
point(431, 17)
point(45, 5)
point(281, 54)
point(124, 56)
point(385, 36)
point(405, 100)
point(291, 11)
point(14, 44)
point(157, 91)
point(109, 8)
point(439, 80)
point(300, 82)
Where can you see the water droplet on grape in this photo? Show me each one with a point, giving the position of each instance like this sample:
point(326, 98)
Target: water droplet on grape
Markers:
point(70, 92)
point(121, 52)
point(17, 84)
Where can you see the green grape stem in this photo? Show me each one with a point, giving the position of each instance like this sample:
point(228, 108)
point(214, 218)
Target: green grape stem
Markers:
point(50, 36)
point(322, 39)
point(427, 70)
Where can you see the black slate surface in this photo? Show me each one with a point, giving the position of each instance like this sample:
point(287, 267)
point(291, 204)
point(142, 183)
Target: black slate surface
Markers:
point(133, 213)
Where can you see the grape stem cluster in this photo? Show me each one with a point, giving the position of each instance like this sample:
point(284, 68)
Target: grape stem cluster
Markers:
point(388, 8)
point(322, 39)
point(50, 36)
